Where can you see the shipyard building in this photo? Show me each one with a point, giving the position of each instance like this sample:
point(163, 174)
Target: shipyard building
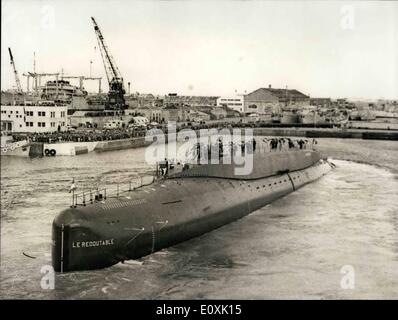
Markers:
point(232, 102)
point(40, 117)
point(272, 100)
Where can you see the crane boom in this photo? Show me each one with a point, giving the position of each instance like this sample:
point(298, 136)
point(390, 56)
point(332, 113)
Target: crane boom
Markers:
point(19, 87)
point(115, 79)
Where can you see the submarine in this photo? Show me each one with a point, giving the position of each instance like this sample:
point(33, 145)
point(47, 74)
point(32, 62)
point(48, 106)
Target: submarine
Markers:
point(187, 203)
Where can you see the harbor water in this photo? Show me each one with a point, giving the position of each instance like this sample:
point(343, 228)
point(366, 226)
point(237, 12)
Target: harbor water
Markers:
point(295, 247)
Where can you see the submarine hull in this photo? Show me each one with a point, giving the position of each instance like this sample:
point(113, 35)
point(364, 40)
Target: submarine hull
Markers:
point(163, 214)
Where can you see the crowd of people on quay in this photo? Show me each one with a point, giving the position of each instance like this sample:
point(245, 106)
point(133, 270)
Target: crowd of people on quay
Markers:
point(269, 143)
point(79, 136)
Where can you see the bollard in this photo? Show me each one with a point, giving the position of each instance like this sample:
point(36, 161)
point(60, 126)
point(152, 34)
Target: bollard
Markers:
point(104, 194)
point(84, 199)
point(91, 196)
point(117, 192)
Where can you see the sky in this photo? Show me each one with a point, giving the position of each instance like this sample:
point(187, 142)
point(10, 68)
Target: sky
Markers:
point(321, 48)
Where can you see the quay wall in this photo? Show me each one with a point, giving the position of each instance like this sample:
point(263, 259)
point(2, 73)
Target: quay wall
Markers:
point(322, 133)
point(279, 132)
point(112, 145)
point(69, 148)
point(35, 149)
point(76, 148)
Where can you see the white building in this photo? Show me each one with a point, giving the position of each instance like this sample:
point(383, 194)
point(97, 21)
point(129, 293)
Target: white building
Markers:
point(234, 102)
point(42, 117)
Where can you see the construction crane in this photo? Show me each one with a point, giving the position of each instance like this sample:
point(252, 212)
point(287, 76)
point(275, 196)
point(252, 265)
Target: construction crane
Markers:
point(37, 80)
point(82, 78)
point(116, 87)
point(19, 87)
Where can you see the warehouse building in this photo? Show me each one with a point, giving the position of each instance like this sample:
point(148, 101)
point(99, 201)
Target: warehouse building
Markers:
point(272, 100)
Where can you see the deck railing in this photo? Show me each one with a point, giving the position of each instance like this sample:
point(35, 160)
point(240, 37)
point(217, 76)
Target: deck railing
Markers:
point(91, 196)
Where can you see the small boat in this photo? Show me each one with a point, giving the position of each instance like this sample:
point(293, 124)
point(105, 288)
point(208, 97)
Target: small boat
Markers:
point(11, 147)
